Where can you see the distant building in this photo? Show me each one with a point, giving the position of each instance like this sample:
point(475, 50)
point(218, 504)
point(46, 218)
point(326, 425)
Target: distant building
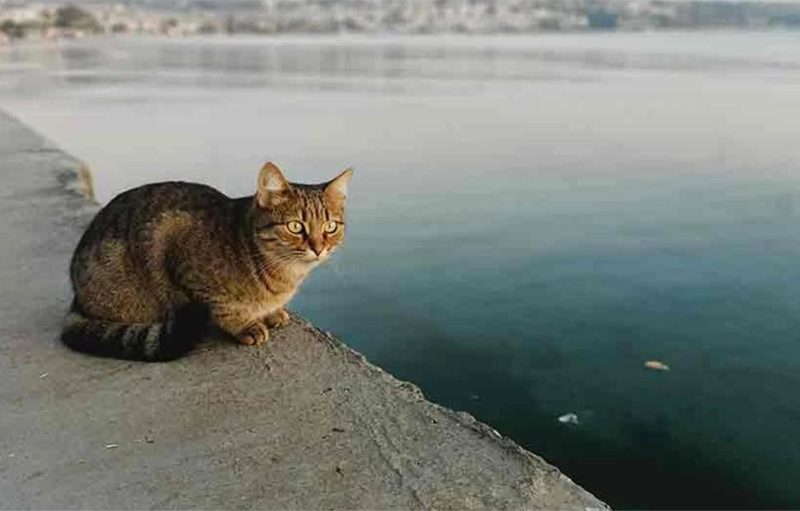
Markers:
point(602, 20)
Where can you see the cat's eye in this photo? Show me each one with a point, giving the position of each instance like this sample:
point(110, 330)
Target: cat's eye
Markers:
point(331, 227)
point(295, 227)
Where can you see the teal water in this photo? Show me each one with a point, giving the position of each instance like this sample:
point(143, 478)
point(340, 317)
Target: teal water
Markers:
point(532, 218)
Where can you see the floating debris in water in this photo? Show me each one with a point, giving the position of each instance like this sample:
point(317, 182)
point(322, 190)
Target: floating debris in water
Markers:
point(112, 446)
point(43, 375)
point(656, 365)
point(569, 418)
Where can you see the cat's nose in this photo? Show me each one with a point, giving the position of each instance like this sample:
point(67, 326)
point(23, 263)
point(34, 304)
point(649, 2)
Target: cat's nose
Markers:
point(316, 246)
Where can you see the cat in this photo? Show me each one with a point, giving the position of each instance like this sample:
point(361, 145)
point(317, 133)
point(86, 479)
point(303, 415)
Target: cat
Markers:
point(162, 261)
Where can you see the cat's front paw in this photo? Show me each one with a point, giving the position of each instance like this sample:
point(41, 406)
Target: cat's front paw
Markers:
point(278, 319)
point(258, 333)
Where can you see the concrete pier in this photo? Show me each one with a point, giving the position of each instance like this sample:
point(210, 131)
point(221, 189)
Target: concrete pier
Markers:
point(302, 423)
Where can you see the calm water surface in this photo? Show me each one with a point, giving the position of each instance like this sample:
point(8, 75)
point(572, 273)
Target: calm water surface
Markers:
point(532, 218)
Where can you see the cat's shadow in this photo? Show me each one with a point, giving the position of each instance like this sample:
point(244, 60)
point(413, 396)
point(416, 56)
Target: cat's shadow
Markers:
point(217, 340)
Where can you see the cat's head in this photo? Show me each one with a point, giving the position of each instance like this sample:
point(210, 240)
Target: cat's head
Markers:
point(296, 223)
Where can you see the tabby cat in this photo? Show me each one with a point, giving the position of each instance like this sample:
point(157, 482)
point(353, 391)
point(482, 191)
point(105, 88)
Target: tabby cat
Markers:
point(160, 261)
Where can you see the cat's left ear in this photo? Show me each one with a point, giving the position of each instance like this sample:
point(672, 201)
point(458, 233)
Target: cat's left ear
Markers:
point(271, 185)
point(338, 185)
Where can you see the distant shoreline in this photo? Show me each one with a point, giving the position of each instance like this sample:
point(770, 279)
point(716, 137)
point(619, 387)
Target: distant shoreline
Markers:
point(353, 37)
point(66, 20)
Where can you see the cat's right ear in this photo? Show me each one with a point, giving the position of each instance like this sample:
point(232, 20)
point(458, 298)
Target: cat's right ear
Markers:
point(271, 185)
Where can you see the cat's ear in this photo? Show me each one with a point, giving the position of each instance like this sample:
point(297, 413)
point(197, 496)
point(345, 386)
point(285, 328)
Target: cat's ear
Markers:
point(338, 186)
point(271, 184)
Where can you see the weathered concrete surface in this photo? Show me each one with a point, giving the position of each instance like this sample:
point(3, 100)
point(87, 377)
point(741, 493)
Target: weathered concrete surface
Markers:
point(301, 423)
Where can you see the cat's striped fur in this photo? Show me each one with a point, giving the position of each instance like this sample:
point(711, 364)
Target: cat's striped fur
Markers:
point(161, 261)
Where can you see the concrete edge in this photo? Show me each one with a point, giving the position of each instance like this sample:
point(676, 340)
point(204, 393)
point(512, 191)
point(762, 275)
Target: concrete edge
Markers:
point(73, 174)
point(461, 417)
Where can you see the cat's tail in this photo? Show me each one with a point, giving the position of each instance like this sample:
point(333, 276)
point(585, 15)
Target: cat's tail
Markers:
point(173, 338)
